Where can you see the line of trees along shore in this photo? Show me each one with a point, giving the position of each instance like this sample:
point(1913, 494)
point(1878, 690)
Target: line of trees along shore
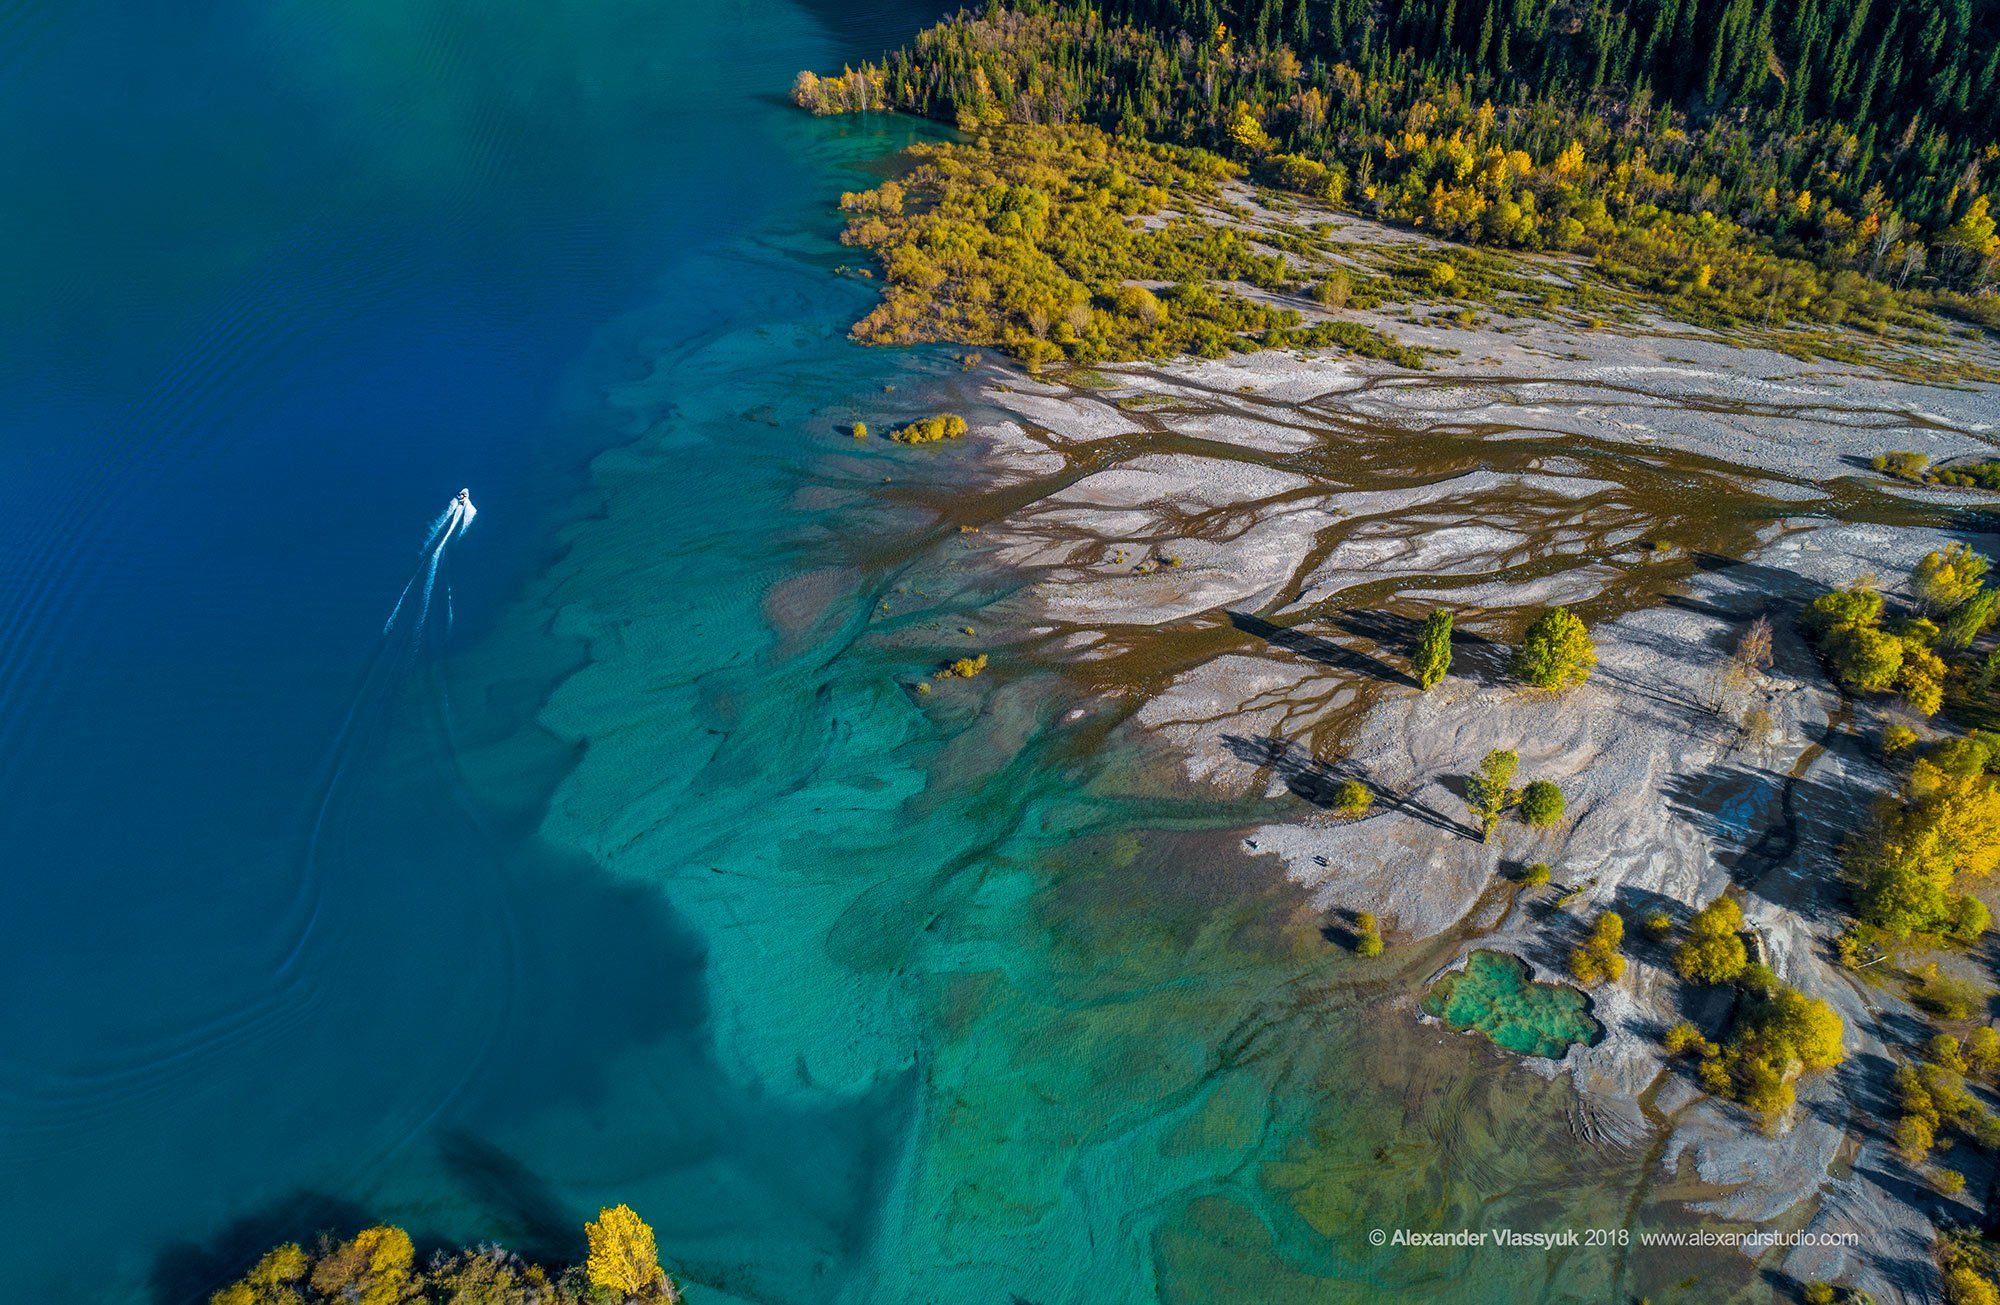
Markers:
point(1859, 135)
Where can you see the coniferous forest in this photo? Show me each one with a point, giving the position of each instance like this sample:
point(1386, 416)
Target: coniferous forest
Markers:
point(1664, 137)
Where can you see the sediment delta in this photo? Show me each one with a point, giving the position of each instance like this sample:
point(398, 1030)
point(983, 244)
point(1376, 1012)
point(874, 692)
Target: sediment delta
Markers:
point(1234, 556)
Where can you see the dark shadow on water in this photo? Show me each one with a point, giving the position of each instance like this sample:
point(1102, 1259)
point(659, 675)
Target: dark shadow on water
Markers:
point(869, 29)
point(524, 1215)
point(606, 967)
point(188, 1272)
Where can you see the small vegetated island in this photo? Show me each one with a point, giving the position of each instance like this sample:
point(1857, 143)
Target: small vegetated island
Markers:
point(1422, 396)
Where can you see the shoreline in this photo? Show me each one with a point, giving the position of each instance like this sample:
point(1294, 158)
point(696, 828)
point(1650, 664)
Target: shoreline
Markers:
point(1292, 492)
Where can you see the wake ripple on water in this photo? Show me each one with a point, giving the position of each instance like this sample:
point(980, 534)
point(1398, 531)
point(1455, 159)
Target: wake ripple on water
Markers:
point(50, 1110)
point(451, 523)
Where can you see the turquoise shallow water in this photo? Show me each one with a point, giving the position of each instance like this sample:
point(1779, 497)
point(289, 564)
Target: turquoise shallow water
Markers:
point(1496, 995)
point(643, 876)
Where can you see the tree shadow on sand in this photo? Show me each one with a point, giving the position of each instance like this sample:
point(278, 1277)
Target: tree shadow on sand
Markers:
point(1317, 781)
point(1473, 656)
point(1756, 819)
point(1314, 648)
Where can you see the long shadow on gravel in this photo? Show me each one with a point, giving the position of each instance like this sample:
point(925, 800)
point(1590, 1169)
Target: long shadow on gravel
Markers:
point(1317, 781)
point(1756, 819)
point(1473, 656)
point(1324, 651)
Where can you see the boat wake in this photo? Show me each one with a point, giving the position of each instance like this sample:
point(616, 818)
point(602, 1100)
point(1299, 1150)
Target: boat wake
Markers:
point(451, 524)
point(395, 754)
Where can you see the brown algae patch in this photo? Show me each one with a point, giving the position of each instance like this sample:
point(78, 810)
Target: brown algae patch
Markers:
point(1495, 994)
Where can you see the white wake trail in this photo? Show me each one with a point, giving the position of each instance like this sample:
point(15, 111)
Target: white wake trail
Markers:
point(431, 574)
point(451, 522)
point(437, 526)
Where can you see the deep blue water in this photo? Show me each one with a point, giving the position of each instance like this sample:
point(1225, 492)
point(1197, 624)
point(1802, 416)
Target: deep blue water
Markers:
point(281, 278)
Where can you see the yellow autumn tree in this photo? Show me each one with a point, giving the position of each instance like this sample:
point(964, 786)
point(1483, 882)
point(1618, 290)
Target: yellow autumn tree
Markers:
point(1971, 243)
point(1943, 580)
point(1248, 132)
point(1916, 867)
point(373, 1269)
point(623, 1255)
point(272, 1282)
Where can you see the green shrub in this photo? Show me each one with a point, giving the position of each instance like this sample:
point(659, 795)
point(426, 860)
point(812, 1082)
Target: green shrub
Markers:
point(1597, 960)
point(1915, 1137)
point(1556, 653)
point(1984, 474)
point(1982, 1050)
point(1970, 619)
point(1964, 1286)
point(859, 430)
point(1943, 580)
point(1902, 464)
point(1946, 1052)
point(1537, 874)
point(1541, 803)
point(1870, 659)
point(1333, 289)
point(1780, 1033)
point(963, 668)
point(1866, 660)
point(1916, 865)
point(1684, 1039)
point(1856, 607)
point(1946, 996)
point(1034, 239)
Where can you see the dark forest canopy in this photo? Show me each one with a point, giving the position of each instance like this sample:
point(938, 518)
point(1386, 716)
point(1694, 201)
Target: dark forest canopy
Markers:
point(1857, 134)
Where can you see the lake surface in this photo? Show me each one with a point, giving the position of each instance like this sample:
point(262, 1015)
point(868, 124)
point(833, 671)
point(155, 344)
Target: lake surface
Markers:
point(628, 868)
point(282, 278)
